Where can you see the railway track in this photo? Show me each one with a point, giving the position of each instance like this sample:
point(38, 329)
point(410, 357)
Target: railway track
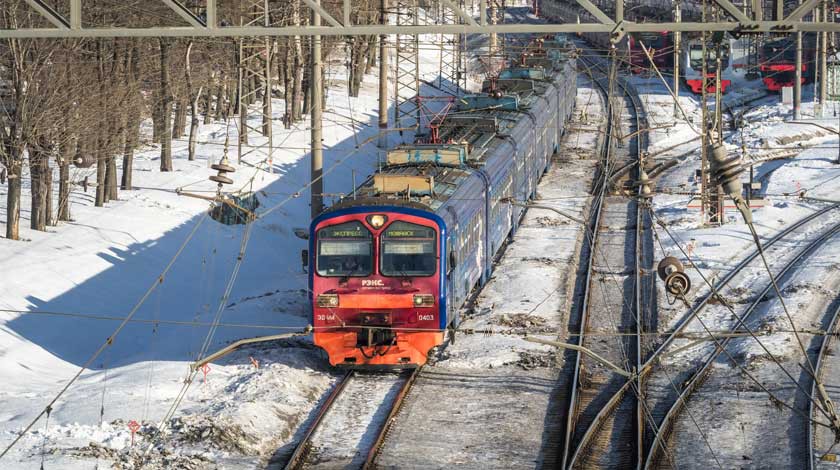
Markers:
point(595, 446)
point(822, 451)
point(603, 420)
point(670, 410)
point(350, 425)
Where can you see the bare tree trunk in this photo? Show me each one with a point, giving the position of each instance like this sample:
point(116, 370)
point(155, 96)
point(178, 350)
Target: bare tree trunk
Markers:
point(357, 64)
point(194, 97)
point(38, 164)
point(111, 179)
point(371, 59)
point(221, 97)
point(157, 104)
point(132, 128)
point(250, 90)
point(48, 205)
point(13, 201)
point(231, 106)
point(266, 104)
point(101, 168)
point(11, 157)
point(179, 123)
point(288, 73)
point(208, 99)
point(166, 106)
point(64, 181)
point(101, 150)
point(128, 160)
point(300, 64)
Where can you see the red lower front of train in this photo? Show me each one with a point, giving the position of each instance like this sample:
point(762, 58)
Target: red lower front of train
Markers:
point(696, 85)
point(778, 76)
point(639, 62)
point(375, 280)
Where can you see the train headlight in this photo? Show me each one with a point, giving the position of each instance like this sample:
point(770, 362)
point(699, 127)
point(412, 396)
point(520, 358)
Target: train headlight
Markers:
point(328, 300)
point(424, 300)
point(377, 220)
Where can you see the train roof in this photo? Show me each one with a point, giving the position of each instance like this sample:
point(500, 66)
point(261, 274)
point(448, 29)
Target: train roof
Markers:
point(426, 176)
point(424, 186)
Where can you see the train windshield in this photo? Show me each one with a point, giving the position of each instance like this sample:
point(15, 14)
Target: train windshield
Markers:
point(345, 250)
point(695, 55)
point(651, 40)
point(779, 51)
point(407, 250)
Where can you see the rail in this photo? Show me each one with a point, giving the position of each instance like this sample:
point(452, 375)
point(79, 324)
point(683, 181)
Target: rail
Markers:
point(303, 448)
point(573, 456)
point(822, 357)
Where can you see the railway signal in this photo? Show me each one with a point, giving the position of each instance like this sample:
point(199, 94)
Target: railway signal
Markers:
point(133, 426)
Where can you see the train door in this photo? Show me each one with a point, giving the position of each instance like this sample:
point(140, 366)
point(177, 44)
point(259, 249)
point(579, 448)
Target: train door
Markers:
point(452, 261)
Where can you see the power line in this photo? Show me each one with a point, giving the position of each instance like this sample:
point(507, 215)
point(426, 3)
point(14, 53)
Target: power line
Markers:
point(110, 340)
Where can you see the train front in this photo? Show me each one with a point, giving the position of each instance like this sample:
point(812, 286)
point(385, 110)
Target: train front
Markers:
point(375, 277)
point(777, 64)
point(692, 65)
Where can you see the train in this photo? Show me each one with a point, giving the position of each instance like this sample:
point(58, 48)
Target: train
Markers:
point(659, 44)
point(391, 266)
point(691, 65)
point(777, 61)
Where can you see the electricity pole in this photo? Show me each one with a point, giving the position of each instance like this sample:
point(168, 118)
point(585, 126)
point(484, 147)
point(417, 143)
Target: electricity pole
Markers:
point(823, 59)
point(317, 93)
point(797, 83)
point(677, 38)
point(383, 78)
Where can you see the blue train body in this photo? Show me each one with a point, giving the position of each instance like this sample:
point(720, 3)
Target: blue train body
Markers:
point(491, 155)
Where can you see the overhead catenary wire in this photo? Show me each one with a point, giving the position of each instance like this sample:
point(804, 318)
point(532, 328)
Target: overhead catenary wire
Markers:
point(110, 340)
point(164, 422)
point(745, 327)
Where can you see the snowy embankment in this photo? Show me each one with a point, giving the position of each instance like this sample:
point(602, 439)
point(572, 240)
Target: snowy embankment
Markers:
point(100, 265)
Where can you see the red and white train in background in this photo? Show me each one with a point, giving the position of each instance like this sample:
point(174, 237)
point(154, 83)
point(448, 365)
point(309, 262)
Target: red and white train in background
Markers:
point(661, 46)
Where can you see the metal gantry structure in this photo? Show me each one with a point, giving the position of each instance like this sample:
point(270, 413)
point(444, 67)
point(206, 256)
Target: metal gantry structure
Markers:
point(453, 57)
point(406, 66)
point(207, 24)
point(254, 84)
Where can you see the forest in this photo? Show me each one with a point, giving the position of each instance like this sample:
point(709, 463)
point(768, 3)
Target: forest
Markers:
point(67, 104)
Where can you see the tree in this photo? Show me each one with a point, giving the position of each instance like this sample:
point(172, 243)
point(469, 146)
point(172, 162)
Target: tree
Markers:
point(165, 106)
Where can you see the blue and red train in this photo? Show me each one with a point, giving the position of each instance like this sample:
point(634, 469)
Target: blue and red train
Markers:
point(391, 267)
